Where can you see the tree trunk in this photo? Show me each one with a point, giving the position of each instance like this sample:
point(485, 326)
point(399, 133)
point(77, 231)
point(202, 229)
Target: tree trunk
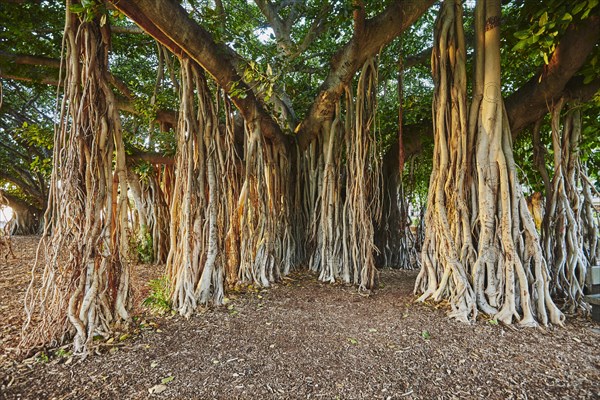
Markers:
point(562, 238)
point(345, 196)
point(481, 249)
point(229, 220)
point(84, 288)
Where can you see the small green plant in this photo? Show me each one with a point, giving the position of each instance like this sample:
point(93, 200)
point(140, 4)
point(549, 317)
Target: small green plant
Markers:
point(352, 341)
point(159, 299)
point(145, 247)
point(42, 357)
point(62, 353)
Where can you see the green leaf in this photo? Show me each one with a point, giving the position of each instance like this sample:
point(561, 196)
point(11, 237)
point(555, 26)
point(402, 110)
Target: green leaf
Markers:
point(521, 45)
point(545, 56)
point(543, 19)
point(352, 341)
point(577, 9)
point(540, 31)
point(567, 17)
point(76, 8)
point(426, 335)
point(522, 34)
point(493, 322)
point(586, 13)
point(166, 380)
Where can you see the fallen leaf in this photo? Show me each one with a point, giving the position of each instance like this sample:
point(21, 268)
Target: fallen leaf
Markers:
point(352, 340)
point(154, 364)
point(157, 389)
point(167, 379)
point(372, 330)
point(426, 335)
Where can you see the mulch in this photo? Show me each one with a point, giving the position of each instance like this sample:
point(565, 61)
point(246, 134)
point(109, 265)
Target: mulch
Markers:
point(302, 339)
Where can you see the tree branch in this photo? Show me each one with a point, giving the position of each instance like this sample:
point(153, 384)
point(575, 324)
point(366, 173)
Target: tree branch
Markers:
point(530, 102)
point(378, 31)
point(281, 29)
point(170, 24)
point(153, 158)
point(128, 30)
point(166, 116)
point(18, 204)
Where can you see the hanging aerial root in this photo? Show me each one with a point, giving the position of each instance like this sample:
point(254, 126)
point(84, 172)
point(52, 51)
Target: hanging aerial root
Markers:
point(563, 233)
point(80, 280)
point(448, 251)
point(481, 250)
point(195, 264)
point(342, 189)
point(231, 218)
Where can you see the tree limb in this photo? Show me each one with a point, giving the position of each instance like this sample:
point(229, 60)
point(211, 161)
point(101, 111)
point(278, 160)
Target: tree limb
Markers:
point(530, 102)
point(170, 24)
point(281, 29)
point(378, 31)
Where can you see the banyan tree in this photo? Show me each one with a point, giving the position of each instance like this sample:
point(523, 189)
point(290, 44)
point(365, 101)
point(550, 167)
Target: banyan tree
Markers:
point(262, 177)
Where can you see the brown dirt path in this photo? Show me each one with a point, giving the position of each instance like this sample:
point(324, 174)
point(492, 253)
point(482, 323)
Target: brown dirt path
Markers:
point(304, 339)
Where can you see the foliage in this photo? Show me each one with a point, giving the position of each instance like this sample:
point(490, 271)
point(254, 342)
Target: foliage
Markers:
point(159, 299)
point(548, 20)
point(144, 247)
point(89, 9)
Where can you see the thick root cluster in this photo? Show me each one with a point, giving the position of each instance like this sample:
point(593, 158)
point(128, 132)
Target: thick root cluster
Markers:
point(84, 285)
point(230, 213)
point(481, 249)
point(343, 199)
point(563, 227)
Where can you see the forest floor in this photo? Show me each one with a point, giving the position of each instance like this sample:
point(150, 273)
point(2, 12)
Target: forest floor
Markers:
point(302, 339)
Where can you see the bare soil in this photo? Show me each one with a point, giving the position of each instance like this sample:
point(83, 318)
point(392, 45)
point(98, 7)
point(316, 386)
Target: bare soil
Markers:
point(302, 339)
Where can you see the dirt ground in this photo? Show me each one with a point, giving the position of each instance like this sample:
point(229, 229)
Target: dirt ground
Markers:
point(303, 339)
